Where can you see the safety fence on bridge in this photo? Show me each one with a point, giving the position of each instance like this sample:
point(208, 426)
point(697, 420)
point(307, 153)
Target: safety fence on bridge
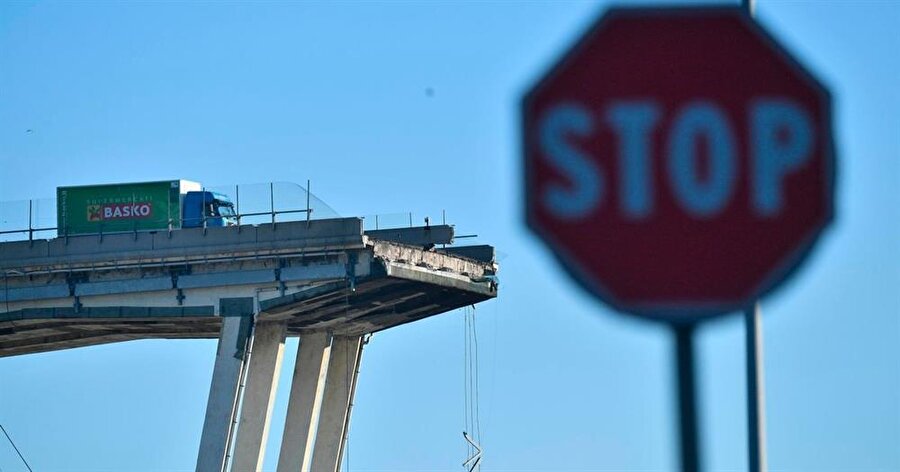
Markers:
point(272, 202)
point(261, 203)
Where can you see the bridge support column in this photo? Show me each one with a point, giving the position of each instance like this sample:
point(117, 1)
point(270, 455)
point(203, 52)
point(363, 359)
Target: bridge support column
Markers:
point(237, 319)
point(264, 367)
point(346, 353)
point(304, 405)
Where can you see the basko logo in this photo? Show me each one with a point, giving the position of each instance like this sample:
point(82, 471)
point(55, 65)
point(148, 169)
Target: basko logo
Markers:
point(119, 211)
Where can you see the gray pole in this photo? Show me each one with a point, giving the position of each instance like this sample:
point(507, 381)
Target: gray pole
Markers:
point(756, 398)
point(30, 232)
point(237, 204)
point(756, 412)
point(272, 201)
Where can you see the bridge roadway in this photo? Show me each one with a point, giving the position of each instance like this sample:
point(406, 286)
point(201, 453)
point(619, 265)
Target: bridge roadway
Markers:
point(327, 281)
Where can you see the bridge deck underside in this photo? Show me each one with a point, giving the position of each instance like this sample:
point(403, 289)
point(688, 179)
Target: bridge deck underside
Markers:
point(374, 305)
point(369, 305)
point(40, 330)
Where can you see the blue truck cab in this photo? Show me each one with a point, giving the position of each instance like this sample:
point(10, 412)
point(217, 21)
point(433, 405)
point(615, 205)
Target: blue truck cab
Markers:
point(215, 207)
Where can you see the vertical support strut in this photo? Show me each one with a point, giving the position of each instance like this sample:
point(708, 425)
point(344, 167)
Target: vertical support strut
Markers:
point(237, 205)
point(272, 202)
point(237, 321)
point(308, 210)
point(264, 366)
point(30, 225)
point(345, 351)
point(304, 405)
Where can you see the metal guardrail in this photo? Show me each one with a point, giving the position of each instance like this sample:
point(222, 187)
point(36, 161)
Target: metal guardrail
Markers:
point(31, 229)
point(399, 220)
point(272, 213)
point(266, 207)
point(405, 219)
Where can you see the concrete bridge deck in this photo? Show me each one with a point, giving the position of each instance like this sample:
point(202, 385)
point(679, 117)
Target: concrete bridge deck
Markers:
point(322, 275)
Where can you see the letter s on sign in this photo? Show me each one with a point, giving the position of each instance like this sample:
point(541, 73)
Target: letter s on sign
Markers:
point(587, 184)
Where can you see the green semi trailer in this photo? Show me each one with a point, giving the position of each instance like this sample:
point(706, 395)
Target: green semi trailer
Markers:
point(142, 206)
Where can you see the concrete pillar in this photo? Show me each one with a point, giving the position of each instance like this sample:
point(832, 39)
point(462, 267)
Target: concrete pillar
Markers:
point(237, 320)
point(264, 367)
point(354, 382)
point(333, 422)
point(307, 388)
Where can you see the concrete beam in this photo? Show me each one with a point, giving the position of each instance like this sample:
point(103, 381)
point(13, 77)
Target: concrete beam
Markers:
point(115, 250)
point(264, 369)
point(335, 417)
point(35, 293)
point(220, 279)
point(304, 405)
point(237, 320)
point(148, 284)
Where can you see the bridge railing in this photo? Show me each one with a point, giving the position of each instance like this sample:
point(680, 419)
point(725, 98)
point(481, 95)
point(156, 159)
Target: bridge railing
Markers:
point(254, 204)
point(405, 219)
point(274, 202)
point(411, 219)
point(27, 219)
point(260, 203)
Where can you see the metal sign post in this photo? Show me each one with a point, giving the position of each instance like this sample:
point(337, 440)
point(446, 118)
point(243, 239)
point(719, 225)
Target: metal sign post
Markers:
point(687, 397)
point(756, 431)
point(756, 413)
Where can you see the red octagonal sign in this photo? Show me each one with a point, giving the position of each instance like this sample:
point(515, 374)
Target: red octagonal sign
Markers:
point(678, 162)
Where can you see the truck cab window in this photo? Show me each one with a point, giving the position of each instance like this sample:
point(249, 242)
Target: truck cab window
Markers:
point(225, 209)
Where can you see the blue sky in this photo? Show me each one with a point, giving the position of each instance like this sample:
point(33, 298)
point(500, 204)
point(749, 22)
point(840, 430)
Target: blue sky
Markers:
point(337, 93)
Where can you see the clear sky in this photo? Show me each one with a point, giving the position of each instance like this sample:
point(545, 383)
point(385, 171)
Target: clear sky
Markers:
point(402, 106)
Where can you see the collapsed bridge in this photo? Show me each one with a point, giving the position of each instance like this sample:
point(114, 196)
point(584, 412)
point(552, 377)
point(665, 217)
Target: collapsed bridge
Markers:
point(328, 282)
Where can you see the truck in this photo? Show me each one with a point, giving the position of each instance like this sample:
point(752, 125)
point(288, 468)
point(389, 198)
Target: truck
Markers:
point(141, 206)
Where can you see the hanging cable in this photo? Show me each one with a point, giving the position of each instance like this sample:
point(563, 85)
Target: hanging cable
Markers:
point(472, 431)
point(466, 389)
point(474, 461)
point(16, 448)
point(477, 402)
point(350, 386)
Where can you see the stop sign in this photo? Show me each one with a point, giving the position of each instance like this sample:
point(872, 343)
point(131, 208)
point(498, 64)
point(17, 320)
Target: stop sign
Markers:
point(678, 162)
